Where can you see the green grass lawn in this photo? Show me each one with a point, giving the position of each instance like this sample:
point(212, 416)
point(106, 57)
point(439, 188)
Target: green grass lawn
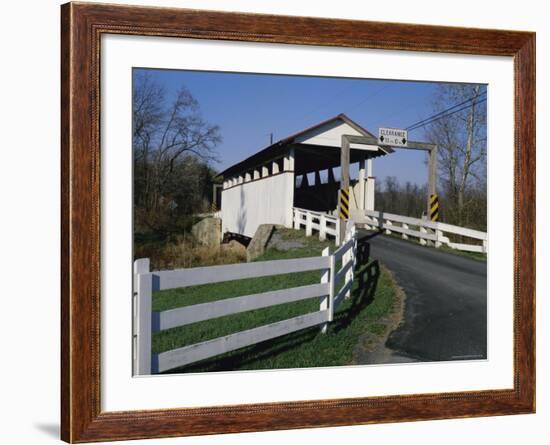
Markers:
point(372, 298)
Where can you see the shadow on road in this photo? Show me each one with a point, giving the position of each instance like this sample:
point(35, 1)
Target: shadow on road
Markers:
point(370, 235)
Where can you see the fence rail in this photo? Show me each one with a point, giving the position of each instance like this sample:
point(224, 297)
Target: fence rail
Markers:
point(200, 351)
point(426, 231)
point(169, 279)
point(206, 311)
point(147, 321)
point(323, 223)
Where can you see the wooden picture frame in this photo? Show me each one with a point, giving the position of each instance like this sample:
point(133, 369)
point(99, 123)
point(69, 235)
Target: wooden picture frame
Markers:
point(82, 26)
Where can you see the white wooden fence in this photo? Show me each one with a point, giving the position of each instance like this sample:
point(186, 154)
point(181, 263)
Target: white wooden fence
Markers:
point(146, 321)
point(425, 230)
point(323, 223)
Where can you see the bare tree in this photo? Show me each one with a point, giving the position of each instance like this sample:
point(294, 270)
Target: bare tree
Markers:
point(461, 137)
point(408, 199)
point(173, 147)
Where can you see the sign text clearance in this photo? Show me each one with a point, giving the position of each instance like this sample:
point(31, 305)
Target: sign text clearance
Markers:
point(393, 136)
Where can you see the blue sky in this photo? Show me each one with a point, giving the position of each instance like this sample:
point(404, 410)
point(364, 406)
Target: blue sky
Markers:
point(248, 107)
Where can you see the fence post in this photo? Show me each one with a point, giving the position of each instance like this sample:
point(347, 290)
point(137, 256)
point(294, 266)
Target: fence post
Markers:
point(438, 236)
point(322, 228)
point(141, 265)
point(373, 224)
point(143, 328)
point(337, 237)
point(349, 257)
point(354, 251)
point(422, 230)
point(297, 215)
point(388, 223)
point(404, 235)
point(327, 300)
point(309, 221)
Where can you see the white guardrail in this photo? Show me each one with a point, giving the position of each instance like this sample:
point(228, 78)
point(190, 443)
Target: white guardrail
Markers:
point(426, 231)
point(321, 222)
point(147, 321)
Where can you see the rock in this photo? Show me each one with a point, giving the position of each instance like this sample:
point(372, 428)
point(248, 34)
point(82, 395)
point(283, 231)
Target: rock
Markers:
point(207, 231)
point(234, 247)
point(259, 241)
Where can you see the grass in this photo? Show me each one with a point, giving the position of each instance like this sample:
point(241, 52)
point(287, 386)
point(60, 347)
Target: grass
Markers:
point(372, 298)
point(183, 251)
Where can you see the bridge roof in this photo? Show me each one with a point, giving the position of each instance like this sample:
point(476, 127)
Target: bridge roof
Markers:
point(316, 148)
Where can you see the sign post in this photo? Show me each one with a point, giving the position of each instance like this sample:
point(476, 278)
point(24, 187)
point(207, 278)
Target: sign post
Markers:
point(397, 137)
point(343, 198)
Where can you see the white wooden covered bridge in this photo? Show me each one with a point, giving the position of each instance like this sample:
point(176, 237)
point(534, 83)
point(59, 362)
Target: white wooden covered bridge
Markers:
point(294, 174)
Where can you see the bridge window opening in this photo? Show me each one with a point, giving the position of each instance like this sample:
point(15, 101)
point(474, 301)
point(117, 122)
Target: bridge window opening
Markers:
point(277, 166)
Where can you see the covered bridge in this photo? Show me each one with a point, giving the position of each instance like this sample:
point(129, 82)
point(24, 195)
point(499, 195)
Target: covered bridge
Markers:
point(297, 172)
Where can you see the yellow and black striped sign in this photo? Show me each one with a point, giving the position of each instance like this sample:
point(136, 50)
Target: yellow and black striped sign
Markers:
point(344, 204)
point(434, 207)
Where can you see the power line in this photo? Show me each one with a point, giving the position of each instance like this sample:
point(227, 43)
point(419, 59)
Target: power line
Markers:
point(416, 127)
point(446, 113)
point(401, 110)
point(410, 127)
point(370, 96)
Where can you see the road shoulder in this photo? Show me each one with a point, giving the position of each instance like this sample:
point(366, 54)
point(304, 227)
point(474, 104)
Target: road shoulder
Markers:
point(371, 347)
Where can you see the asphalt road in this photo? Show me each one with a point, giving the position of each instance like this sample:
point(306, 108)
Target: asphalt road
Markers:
point(446, 301)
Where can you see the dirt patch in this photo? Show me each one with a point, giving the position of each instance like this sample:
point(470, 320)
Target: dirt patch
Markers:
point(371, 347)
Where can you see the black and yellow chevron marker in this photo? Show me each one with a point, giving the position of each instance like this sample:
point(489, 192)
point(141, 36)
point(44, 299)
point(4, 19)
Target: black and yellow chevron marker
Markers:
point(344, 204)
point(434, 207)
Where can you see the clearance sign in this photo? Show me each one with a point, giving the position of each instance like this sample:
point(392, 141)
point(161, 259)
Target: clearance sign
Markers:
point(393, 136)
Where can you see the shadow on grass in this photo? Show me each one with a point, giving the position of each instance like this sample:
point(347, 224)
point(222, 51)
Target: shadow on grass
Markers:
point(362, 295)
